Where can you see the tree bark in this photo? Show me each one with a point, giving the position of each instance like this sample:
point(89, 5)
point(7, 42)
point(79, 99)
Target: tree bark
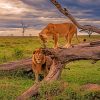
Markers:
point(65, 11)
point(21, 64)
point(60, 58)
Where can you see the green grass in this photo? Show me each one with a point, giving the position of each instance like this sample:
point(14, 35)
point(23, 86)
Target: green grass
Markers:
point(11, 87)
point(9, 46)
point(13, 84)
point(82, 72)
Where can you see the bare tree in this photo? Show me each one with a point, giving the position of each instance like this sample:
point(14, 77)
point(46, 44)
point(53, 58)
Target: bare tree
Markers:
point(60, 57)
point(11, 34)
point(24, 27)
point(65, 12)
point(30, 34)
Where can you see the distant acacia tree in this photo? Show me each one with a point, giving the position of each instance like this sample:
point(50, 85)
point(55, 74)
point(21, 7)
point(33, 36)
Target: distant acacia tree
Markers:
point(24, 27)
point(11, 34)
point(30, 35)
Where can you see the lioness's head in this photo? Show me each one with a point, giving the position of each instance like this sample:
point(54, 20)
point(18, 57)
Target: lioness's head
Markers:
point(38, 57)
point(46, 32)
point(44, 35)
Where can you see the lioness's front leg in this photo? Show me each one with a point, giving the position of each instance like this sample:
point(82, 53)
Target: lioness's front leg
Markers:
point(55, 41)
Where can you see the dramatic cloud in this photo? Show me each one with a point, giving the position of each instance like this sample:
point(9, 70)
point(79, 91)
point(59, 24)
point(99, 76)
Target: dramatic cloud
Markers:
point(8, 7)
point(38, 13)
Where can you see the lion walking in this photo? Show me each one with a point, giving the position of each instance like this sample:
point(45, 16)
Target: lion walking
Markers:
point(66, 30)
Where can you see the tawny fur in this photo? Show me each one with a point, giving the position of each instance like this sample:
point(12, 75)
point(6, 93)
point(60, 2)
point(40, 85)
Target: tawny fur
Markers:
point(40, 63)
point(66, 30)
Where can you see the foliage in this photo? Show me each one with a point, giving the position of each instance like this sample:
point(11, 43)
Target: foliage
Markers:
point(18, 53)
point(12, 47)
point(60, 90)
point(14, 83)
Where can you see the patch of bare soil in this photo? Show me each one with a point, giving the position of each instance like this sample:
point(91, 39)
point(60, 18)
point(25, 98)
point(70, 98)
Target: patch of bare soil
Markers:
point(90, 87)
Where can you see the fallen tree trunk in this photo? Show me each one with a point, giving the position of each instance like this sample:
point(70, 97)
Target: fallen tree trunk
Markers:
point(85, 51)
point(53, 75)
point(26, 63)
point(22, 64)
point(65, 11)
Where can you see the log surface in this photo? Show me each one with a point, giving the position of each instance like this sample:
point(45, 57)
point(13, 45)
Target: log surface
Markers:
point(60, 58)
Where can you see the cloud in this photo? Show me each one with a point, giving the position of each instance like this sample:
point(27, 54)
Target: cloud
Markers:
point(89, 1)
point(14, 7)
point(38, 13)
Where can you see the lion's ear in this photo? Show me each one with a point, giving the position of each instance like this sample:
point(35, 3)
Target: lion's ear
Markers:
point(34, 52)
point(44, 52)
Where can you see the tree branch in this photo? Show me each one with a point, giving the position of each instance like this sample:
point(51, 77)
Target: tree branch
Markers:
point(66, 13)
point(22, 64)
point(61, 57)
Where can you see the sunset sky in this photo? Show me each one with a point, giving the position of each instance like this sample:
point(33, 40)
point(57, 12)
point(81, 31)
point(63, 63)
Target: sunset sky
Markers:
point(38, 13)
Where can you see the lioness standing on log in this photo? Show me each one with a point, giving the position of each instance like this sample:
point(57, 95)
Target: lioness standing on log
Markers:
point(66, 30)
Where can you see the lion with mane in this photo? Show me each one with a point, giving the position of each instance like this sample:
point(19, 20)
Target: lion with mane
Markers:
point(40, 63)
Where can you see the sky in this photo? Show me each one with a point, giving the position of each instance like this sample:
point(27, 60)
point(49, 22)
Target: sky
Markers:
point(38, 13)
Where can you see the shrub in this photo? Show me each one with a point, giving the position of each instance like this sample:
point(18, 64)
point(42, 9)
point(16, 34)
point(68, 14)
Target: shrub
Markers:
point(4, 59)
point(52, 91)
point(18, 53)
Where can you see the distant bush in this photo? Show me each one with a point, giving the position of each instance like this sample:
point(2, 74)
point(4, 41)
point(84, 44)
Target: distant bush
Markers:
point(3, 59)
point(18, 53)
point(51, 91)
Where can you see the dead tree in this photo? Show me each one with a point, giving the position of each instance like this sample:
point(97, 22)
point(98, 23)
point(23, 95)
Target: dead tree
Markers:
point(61, 57)
point(65, 11)
point(24, 27)
point(16, 65)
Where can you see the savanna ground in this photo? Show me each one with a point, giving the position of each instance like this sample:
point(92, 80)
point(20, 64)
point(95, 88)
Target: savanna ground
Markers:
point(81, 72)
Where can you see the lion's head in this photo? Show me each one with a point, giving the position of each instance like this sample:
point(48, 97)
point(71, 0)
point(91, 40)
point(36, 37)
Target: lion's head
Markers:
point(38, 57)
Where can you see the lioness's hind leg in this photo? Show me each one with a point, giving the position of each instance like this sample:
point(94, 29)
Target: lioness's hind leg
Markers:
point(69, 39)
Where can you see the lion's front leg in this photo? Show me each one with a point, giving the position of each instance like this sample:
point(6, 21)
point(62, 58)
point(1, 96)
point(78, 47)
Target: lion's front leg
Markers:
point(35, 72)
point(55, 41)
point(36, 77)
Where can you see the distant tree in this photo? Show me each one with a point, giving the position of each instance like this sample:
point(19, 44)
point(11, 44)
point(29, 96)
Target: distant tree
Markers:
point(11, 34)
point(30, 35)
point(24, 27)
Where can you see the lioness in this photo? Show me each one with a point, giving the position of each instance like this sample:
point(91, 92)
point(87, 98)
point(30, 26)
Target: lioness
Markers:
point(40, 63)
point(66, 30)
